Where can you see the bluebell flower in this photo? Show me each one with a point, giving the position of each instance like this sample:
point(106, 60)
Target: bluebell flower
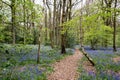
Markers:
point(117, 77)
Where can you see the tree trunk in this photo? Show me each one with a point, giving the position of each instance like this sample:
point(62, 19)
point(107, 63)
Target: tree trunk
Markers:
point(114, 26)
point(108, 18)
point(59, 23)
point(81, 29)
point(13, 21)
point(24, 34)
point(63, 51)
point(87, 56)
point(50, 26)
point(39, 42)
point(45, 21)
point(54, 22)
point(33, 23)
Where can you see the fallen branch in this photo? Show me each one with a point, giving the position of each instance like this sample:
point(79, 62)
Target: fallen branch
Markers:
point(87, 56)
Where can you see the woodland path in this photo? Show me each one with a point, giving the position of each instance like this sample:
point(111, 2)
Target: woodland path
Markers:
point(66, 69)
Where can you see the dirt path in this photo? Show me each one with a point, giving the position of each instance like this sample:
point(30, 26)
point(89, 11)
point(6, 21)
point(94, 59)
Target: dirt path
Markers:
point(66, 69)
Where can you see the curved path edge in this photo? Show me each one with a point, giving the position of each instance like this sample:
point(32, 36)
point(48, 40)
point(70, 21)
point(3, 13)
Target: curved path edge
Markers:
point(66, 69)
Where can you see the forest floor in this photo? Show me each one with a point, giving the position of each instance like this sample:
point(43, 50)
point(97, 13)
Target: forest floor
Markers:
point(66, 69)
point(116, 59)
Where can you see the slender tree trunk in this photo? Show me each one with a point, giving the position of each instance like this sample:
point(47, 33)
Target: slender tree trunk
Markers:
point(46, 27)
point(33, 23)
point(57, 27)
point(114, 28)
point(13, 21)
point(50, 26)
point(45, 19)
point(81, 29)
point(81, 32)
point(108, 4)
point(70, 9)
point(39, 42)
point(68, 18)
point(59, 23)
point(63, 51)
point(24, 34)
point(54, 23)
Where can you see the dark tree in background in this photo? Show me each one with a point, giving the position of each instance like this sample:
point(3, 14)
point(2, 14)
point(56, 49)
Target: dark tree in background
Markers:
point(114, 26)
point(63, 34)
point(13, 21)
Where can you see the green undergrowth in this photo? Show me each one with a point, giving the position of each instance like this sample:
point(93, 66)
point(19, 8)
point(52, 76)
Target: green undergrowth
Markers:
point(18, 62)
point(106, 68)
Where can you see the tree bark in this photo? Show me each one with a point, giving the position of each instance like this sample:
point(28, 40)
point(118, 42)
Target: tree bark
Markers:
point(63, 51)
point(33, 23)
point(59, 23)
point(54, 22)
point(13, 20)
point(24, 34)
point(108, 4)
point(50, 26)
point(45, 21)
point(81, 29)
point(87, 56)
point(39, 42)
point(114, 27)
